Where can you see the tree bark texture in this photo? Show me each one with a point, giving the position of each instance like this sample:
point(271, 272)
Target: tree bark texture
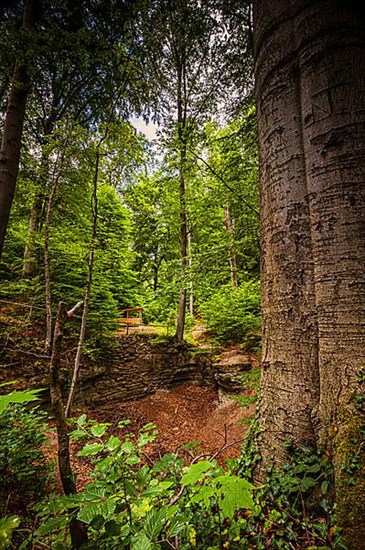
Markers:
point(290, 380)
point(13, 128)
point(310, 71)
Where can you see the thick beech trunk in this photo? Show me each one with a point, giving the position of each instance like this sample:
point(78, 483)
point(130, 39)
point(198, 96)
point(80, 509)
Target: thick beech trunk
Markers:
point(333, 114)
point(290, 378)
point(310, 74)
point(13, 129)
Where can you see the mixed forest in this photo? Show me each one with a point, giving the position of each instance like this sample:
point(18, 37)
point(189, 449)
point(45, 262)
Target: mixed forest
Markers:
point(203, 161)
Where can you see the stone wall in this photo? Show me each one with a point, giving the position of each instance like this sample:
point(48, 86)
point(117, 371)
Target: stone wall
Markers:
point(139, 367)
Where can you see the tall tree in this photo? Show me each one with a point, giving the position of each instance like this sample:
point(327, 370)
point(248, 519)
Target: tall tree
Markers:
point(193, 39)
point(13, 127)
point(310, 90)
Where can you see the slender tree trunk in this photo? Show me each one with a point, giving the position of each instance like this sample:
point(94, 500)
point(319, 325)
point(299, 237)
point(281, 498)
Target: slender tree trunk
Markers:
point(181, 121)
point(232, 252)
point(47, 262)
point(33, 227)
point(35, 216)
point(85, 311)
point(78, 530)
point(310, 86)
point(13, 129)
point(191, 288)
point(290, 377)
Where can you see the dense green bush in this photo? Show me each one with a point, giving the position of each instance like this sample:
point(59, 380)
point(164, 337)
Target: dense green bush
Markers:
point(24, 470)
point(232, 315)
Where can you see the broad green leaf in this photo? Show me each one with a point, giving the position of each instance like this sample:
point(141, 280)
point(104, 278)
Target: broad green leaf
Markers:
point(91, 449)
point(88, 512)
point(196, 472)
point(81, 420)
point(113, 443)
point(234, 494)
point(99, 429)
point(154, 522)
point(141, 543)
point(307, 483)
point(204, 494)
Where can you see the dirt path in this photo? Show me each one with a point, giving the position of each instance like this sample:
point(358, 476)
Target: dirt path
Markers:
point(183, 414)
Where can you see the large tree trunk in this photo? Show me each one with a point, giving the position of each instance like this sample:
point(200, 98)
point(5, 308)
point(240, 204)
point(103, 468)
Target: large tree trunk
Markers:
point(290, 378)
point(333, 114)
point(13, 129)
point(310, 70)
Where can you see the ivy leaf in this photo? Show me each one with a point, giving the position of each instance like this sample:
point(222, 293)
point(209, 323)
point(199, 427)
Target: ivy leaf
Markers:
point(324, 487)
point(196, 472)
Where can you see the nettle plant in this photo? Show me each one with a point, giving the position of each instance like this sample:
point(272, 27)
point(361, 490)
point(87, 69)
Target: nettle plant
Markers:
point(130, 504)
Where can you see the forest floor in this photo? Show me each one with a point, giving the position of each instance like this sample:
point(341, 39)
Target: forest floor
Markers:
point(182, 415)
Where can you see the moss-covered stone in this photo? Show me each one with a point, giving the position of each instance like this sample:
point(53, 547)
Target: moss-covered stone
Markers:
point(349, 463)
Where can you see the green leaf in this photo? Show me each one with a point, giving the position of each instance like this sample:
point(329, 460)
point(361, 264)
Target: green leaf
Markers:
point(307, 483)
point(91, 449)
point(18, 397)
point(154, 522)
point(141, 542)
point(81, 420)
point(51, 525)
point(7, 525)
point(113, 443)
point(234, 494)
point(127, 447)
point(88, 512)
point(324, 487)
point(196, 472)
point(204, 494)
point(99, 429)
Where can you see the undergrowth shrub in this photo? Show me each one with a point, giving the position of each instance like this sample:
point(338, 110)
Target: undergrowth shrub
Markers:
point(233, 314)
point(24, 470)
point(137, 505)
